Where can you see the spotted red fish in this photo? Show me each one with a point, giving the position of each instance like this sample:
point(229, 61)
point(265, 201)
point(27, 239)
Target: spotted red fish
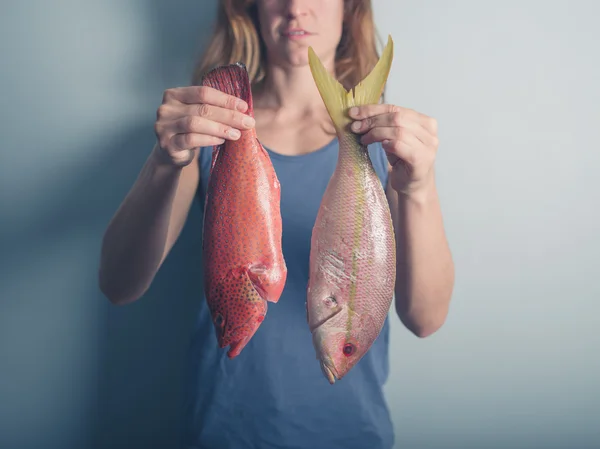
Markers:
point(244, 265)
point(353, 249)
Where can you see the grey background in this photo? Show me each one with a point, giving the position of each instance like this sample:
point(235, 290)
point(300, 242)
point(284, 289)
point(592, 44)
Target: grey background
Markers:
point(515, 87)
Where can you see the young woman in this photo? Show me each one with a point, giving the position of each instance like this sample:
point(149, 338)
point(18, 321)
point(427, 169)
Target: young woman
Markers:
point(274, 395)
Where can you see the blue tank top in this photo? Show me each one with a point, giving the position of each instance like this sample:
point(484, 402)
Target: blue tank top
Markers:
point(274, 395)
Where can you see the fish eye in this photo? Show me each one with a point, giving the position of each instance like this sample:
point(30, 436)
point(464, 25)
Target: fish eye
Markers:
point(349, 349)
point(330, 301)
point(219, 319)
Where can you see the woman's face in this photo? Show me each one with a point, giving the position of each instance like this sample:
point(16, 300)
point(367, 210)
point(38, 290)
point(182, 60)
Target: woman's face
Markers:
point(289, 27)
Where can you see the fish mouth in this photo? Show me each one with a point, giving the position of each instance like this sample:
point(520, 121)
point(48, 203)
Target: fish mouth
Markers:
point(235, 348)
point(237, 342)
point(329, 372)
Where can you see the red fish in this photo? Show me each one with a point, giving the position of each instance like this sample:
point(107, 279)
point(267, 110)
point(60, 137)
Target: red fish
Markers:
point(244, 265)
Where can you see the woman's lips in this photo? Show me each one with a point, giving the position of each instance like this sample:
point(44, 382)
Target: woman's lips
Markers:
point(296, 33)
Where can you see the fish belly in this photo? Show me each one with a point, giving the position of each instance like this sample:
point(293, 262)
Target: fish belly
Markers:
point(353, 252)
point(242, 222)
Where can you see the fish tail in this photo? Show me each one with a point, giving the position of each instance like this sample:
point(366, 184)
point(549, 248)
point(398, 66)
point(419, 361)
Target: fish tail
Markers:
point(233, 80)
point(337, 99)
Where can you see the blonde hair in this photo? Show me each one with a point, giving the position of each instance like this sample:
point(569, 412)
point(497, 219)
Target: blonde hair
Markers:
point(236, 38)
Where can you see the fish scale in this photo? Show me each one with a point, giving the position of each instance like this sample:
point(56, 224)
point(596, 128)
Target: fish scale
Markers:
point(244, 267)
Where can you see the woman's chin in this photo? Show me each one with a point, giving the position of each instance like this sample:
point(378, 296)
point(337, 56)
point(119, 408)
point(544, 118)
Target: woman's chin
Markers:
point(294, 57)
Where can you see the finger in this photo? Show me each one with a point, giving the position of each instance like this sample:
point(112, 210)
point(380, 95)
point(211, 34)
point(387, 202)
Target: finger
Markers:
point(394, 119)
point(409, 150)
point(380, 134)
point(189, 141)
point(204, 94)
point(398, 120)
point(369, 110)
point(430, 124)
point(228, 117)
point(168, 113)
point(372, 110)
point(404, 145)
point(200, 125)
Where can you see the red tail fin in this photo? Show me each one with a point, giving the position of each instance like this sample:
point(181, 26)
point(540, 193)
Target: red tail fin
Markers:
point(233, 80)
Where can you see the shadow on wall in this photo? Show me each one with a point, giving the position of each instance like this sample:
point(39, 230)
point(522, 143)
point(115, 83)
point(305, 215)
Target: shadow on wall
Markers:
point(61, 342)
point(144, 345)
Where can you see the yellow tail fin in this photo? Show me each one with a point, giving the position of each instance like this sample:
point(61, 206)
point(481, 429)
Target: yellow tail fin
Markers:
point(337, 99)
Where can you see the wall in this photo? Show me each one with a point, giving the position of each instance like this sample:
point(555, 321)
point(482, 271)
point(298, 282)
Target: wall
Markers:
point(514, 87)
point(80, 84)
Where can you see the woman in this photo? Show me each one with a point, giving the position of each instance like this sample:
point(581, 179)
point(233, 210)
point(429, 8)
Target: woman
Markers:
point(273, 395)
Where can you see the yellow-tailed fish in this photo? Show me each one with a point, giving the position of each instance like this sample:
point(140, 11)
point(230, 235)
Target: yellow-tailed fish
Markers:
point(353, 250)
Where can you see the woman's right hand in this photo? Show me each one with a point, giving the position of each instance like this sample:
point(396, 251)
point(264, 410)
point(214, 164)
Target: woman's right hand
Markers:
point(197, 116)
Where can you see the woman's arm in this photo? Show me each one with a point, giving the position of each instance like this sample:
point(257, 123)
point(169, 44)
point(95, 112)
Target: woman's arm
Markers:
point(424, 266)
point(151, 217)
point(145, 227)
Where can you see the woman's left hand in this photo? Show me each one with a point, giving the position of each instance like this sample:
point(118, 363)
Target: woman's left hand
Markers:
point(409, 139)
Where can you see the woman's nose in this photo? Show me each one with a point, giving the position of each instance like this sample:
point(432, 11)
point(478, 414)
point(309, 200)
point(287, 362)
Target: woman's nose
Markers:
point(296, 8)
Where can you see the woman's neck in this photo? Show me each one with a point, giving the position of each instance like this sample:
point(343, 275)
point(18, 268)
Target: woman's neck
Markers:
point(289, 89)
point(291, 117)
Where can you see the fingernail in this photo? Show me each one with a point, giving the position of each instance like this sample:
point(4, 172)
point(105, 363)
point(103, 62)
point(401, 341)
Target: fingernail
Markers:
point(241, 106)
point(234, 133)
point(385, 143)
point(354, 112)
point(248, 121)
point(356, 126)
